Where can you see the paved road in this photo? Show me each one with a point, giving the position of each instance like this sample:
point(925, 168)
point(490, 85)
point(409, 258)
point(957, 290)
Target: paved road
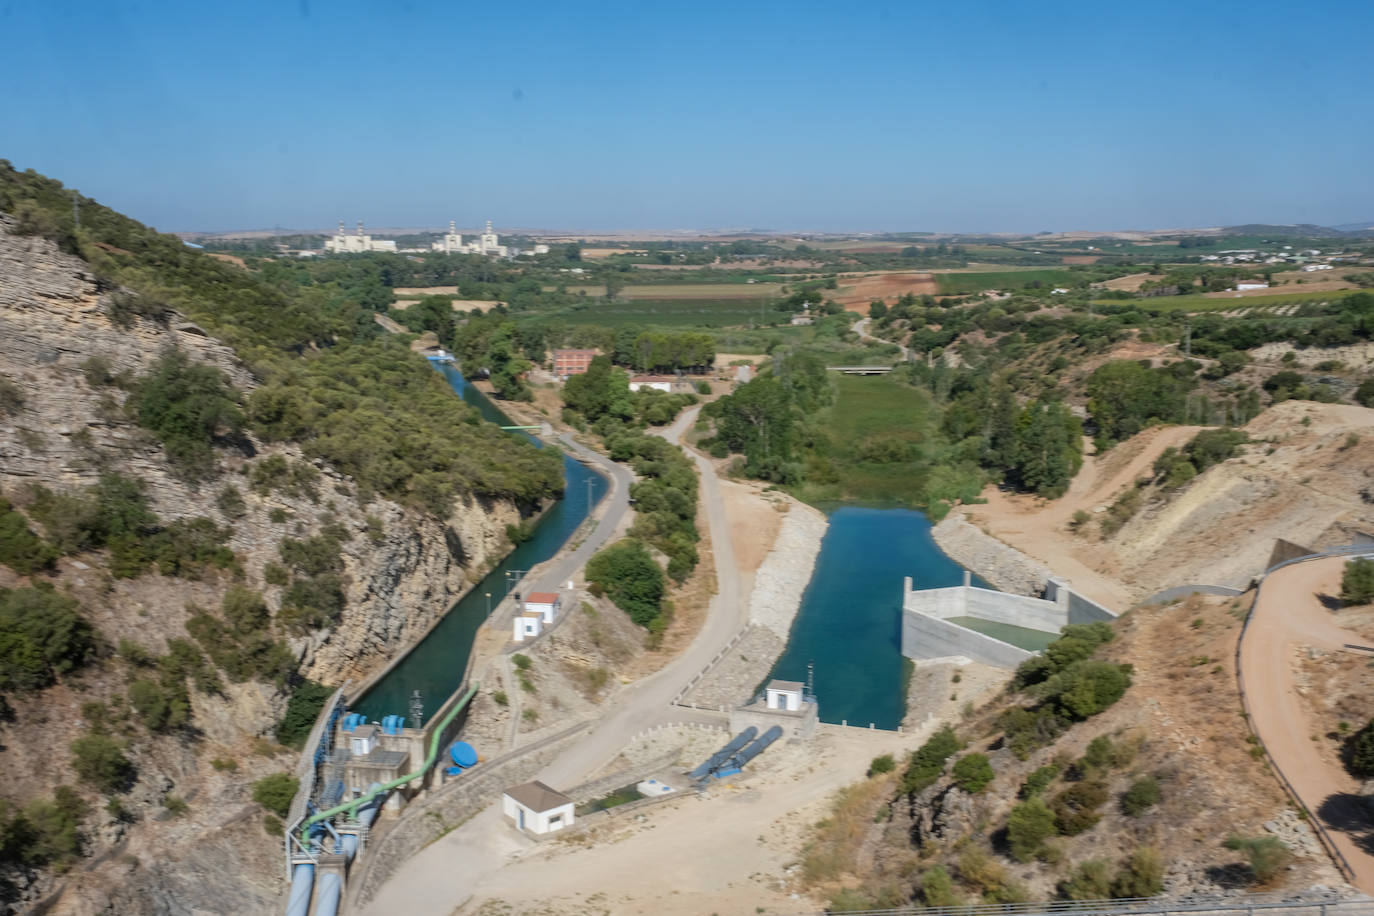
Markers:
point(1289, 617)
point(860, 327)
point(437, 880)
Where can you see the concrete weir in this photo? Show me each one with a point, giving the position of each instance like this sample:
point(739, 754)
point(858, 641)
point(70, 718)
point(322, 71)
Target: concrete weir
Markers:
point(929, 630)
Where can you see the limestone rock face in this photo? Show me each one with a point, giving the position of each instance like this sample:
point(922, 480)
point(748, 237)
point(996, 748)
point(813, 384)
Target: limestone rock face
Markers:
point(402, 571)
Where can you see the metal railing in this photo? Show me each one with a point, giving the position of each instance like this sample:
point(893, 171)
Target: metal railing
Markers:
point(1318, 827)
point(1249, 903)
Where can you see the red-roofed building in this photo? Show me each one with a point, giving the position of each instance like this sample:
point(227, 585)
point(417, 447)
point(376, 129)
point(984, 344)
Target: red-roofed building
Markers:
point(545, 604)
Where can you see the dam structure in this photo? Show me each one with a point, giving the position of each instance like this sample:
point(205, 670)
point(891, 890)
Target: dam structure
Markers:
point(988, 626)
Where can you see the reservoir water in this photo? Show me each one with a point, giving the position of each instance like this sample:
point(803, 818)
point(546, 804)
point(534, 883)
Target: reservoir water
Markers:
point(436, 664)
point(850, 621)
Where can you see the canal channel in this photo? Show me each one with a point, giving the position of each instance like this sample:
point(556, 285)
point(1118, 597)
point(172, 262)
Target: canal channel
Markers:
point(435, 666)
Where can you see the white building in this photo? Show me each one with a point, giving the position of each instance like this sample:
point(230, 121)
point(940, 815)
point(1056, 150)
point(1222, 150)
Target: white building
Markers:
point(487, 243)
point(343, 243)
point(545, 604)
point(784, 695)
point(528, 625)
point(656, 382)
point(1309, 268)
point(1243, 285)
point(536, 808)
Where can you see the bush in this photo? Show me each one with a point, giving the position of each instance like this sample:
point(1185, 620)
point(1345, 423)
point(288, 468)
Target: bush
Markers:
point(1140, 797)
point(973, 772)
point(883, 764)
point(1364, 394)
point(188, 406)
point(159, 707)
point(1029, 825)
point(1038, 781)
point(100, 762)
point(937, 889)
point(42, 635)
point(1086, 688)
point(20, 549)
point(1141, 875)
point(630, 578)
point(1091, 880)
point(230, 502)
point(44, 832)
point(1075, 809)
point(1266, 855)
point(275, 792)
point(1357, 582)
point(302, 709)
point(928, 761)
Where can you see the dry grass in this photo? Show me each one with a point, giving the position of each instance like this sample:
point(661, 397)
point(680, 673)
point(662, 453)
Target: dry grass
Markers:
point(834, 848)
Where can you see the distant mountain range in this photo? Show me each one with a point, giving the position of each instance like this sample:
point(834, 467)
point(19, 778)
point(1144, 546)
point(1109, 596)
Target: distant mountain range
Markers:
point(1303, 230)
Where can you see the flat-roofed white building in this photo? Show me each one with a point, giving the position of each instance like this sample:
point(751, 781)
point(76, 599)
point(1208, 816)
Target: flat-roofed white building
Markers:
point(785, 695)
point(528, 625)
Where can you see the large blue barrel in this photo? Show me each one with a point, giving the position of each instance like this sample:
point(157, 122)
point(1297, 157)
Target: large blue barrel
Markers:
point(463, 754)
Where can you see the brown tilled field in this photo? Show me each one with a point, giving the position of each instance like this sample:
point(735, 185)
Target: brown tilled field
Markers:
point(857, 291)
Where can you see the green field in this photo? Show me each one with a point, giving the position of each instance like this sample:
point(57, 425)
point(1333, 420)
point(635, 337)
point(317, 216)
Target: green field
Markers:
point(682, 313)
point(869, 411)
point(1259, 306)
point(961, 284)
point(706, 291)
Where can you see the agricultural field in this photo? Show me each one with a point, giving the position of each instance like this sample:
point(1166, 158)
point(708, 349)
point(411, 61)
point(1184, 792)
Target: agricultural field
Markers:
point(961, 284)
point(1253, 305)
point(681, 291)
point(681, 313)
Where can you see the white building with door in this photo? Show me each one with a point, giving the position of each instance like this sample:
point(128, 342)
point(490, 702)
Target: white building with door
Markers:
point(784, 695)
point(528, 625)
point(535, 808)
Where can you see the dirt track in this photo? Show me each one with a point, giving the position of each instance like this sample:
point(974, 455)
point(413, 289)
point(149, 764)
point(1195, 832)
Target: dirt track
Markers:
point(1289, 618)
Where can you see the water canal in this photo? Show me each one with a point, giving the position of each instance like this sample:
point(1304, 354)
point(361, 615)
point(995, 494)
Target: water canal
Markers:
point(436, 664)
point(850, 622)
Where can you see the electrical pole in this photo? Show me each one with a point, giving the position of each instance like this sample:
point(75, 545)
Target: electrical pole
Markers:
point(1188, 340)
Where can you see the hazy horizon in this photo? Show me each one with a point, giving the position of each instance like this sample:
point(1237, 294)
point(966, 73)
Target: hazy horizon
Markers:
point(981, 118)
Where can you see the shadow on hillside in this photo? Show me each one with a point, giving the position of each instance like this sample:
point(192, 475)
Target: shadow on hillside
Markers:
point(1349, 814)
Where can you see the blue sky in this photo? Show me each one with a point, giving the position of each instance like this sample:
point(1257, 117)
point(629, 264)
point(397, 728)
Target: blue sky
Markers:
point(958, 116)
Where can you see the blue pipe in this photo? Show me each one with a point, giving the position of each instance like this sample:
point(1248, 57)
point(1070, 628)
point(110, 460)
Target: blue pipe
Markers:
point(302, 882)
point(327, 900)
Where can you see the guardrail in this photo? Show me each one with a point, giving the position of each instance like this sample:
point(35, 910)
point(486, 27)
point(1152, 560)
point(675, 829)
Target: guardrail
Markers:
point(1317, 826)
point(1142, 905)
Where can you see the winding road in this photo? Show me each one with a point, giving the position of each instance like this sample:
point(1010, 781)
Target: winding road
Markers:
point(441, 876)
point(860, 327)
point(1288, 618)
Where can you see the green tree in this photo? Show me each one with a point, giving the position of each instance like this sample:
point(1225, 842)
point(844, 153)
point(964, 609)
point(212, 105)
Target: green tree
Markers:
point(973, 772)
point(630, 578)
point(1029, 825)
point(1357, 582)
point(189, 406)
point(1047, 450)
point(275, 792)
point(20, 549)
point(1124, 397)
point(99, 760)
point(42, 635)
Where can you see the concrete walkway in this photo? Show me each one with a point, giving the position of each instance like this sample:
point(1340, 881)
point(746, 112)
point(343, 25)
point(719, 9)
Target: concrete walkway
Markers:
point(1288, 618)
point(440, 878)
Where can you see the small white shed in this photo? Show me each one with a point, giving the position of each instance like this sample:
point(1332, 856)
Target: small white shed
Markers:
point(545, 603)
point(528, 625)
point(784, 695)
point(536, 808)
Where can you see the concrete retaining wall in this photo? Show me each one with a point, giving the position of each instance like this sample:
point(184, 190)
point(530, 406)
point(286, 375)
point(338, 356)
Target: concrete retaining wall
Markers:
point(1085, 610)
point(1017, 610)
point(930, 637)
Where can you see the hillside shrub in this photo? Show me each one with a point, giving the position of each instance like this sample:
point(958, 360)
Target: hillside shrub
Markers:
point(302, 709)
point(240, 641)
point(43, 634)
point(20, 549)
point(1075, 808)
point(1038, 781)
point(1141, 875)
point(928, 761)
point(44, 832)
point(972, 773)
point(1359, 752)
point(882, 764)
point(1029, 825)
point(277, 474)
point(275, 792)
point(1266, 855)
point(937, 889)
point(630, 578)
point(189, 406)
point(1357, 582)
point(99, 761)
point(1140, 797)
point(1364, 394)
point(1091, 880)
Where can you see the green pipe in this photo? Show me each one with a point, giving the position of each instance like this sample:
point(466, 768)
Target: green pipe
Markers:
point(352, 806)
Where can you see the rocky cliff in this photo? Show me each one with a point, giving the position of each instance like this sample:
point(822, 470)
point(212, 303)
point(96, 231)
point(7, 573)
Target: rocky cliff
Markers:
point(66, 426)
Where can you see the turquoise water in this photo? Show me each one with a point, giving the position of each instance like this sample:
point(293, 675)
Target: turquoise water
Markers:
point(435, 666)
point(1024, 637)
point(850, 621)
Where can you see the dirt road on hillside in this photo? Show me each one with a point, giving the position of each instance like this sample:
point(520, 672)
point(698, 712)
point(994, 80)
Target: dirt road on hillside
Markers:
point(1039, 527)
point(1290, 618)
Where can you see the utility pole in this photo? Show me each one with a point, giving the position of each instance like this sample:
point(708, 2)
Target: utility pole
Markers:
point(1188, 340)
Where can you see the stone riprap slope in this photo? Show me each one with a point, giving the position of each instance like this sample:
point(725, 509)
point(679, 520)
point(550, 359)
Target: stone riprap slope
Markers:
point(1007, 568)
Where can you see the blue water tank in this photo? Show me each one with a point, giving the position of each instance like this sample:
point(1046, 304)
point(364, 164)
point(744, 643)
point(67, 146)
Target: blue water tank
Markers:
point(463, 754)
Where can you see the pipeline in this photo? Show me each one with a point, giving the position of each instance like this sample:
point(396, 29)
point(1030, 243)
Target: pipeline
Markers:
point(353, 806)
point(302, 883)
point(714, 762)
